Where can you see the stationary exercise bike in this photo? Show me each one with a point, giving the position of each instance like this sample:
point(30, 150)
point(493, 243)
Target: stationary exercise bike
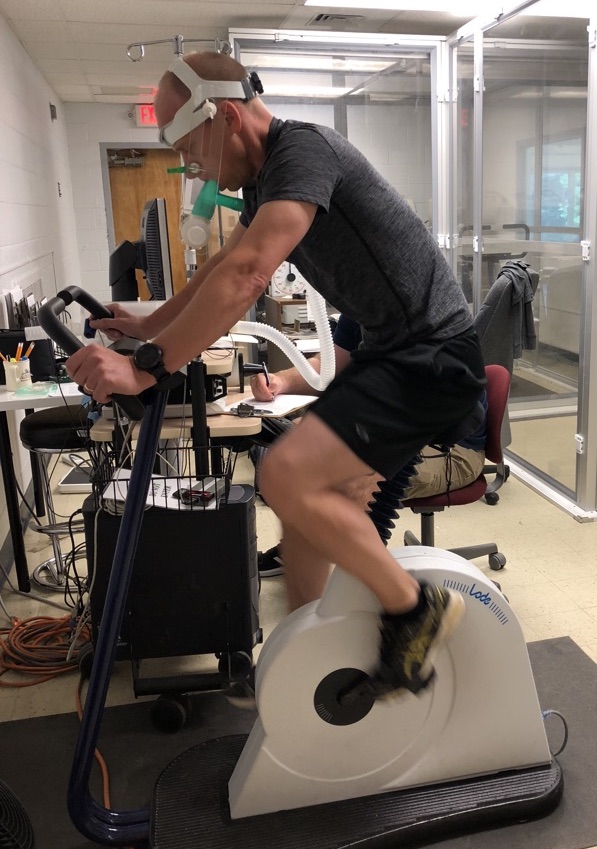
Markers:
point(318, 769)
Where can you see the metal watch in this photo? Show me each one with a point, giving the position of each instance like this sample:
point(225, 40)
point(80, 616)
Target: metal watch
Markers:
point(150, 357)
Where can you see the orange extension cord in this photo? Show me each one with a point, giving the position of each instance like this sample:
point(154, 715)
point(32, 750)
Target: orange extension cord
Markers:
point(39, 649)
point(97, 754)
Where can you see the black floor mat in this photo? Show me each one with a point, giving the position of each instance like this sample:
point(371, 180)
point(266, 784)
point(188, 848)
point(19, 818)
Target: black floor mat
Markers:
point(35, 757)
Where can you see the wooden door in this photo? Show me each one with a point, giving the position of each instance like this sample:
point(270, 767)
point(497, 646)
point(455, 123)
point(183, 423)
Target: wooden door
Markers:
point(131, 186)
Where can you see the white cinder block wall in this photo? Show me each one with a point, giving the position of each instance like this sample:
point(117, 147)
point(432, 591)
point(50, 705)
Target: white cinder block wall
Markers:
point(37, 227)
point(34, 220)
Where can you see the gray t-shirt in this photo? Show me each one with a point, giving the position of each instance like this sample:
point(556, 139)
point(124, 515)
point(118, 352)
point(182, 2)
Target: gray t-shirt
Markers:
point(366, 251)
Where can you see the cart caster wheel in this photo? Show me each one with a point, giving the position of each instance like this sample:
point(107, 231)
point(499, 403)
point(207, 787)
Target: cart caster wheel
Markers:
point(235, 666)
point(492, 498)
point(85, 660)
point(497, 561)
point(169, 713)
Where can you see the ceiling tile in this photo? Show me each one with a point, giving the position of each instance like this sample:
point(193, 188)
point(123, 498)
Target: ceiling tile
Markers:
point(42, 31)
point(62, 66)
point(54, 50)
point(32, 10)
point(129, 33)
point(157, 12)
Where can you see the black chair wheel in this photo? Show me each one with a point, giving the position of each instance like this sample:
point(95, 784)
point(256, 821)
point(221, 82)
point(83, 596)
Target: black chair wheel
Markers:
point(170, 712)
point(497, 561)
point(492, 498)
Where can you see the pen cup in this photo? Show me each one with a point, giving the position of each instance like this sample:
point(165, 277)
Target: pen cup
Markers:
point(11, 375)
point(16, 374)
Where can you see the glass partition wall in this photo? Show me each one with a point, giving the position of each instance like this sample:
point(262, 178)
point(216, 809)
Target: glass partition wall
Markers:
point(377, 93)
point(488, 134)
point(521, 163)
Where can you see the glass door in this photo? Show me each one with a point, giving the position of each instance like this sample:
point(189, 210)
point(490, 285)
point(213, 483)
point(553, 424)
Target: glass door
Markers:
point(534, 138)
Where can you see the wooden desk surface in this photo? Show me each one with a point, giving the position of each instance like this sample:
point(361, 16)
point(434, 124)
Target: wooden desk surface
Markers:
point(225, 425)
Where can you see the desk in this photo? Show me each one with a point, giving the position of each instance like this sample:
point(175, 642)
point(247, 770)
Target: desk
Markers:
point(68, 393)
point(219, 426)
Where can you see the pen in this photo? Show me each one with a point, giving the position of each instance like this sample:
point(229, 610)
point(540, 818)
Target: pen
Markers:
point(29, 349)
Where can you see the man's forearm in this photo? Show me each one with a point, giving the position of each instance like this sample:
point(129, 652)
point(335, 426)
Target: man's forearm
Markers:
point(216, 305)
point(294, 383)
point(162, 317)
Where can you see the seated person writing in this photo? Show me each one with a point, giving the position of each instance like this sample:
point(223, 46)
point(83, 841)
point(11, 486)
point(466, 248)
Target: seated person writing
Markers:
point(436, 472)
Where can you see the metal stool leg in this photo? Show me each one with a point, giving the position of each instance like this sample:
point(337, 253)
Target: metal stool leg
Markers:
point(52, 573)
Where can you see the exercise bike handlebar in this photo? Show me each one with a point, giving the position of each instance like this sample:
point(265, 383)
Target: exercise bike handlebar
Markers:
point(49, 319)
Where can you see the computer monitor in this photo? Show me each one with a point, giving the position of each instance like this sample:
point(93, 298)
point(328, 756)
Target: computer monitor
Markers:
point(150, 254)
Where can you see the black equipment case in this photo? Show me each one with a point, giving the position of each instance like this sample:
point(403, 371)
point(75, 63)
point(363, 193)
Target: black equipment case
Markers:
point(194, 588)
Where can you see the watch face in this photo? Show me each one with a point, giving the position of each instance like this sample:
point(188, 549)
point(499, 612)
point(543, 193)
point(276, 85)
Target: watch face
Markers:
point(287, 280)
point(148, 356)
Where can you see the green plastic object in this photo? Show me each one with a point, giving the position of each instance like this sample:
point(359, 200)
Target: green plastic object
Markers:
point(209, 197)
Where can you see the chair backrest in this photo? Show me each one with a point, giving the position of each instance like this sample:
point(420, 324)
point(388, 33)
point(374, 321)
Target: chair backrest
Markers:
point(498, 388)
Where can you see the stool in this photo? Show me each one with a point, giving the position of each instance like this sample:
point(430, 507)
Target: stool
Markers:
point(45, 433)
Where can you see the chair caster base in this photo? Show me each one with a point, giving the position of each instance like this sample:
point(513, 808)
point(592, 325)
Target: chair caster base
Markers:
point(497, 561)
point(48, 577)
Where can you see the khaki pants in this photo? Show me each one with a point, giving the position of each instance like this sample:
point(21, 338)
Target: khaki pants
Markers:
point(431, 476)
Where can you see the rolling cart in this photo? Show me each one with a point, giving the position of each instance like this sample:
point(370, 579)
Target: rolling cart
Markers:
point(194, 589)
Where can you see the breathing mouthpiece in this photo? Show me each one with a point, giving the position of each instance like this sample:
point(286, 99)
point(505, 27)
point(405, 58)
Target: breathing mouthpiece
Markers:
point(195, 228)
point(193, 168)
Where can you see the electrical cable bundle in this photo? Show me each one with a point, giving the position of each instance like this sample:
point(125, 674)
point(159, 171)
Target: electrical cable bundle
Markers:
point(40, 648)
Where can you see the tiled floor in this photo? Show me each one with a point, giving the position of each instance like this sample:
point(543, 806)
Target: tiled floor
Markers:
point(550, 580)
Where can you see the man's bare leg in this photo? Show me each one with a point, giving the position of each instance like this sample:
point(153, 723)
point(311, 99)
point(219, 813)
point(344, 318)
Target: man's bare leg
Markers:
point(301, 479)
point(305, 570)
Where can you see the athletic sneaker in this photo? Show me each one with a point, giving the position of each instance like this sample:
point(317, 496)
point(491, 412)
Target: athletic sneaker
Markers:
point(241, 694)
point(410, 641)
point(270, 563)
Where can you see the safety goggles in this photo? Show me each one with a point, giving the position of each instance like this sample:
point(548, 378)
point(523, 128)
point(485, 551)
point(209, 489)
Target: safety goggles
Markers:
point(200, 107)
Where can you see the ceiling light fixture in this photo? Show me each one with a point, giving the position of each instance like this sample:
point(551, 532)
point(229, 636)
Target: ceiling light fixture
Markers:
point(557, 9)
point(306, 90)
point(457, 8)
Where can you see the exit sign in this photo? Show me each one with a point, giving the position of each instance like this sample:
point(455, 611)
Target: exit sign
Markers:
point(145, 115)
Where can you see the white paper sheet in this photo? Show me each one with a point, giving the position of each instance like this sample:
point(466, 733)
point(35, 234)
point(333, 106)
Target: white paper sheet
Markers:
point(282, 405)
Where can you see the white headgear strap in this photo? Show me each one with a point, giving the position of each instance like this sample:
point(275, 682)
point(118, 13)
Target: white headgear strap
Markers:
point(200, 106)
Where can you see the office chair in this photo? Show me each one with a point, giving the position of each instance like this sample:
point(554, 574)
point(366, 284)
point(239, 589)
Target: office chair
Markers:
point(498, 386)
point(45, 433)
point(505, 326)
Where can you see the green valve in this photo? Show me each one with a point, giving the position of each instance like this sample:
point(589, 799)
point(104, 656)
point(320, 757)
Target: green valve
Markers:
point(209, 197)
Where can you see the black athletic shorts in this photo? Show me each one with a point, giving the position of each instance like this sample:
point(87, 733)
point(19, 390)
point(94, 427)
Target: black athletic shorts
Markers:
point(387, 405)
